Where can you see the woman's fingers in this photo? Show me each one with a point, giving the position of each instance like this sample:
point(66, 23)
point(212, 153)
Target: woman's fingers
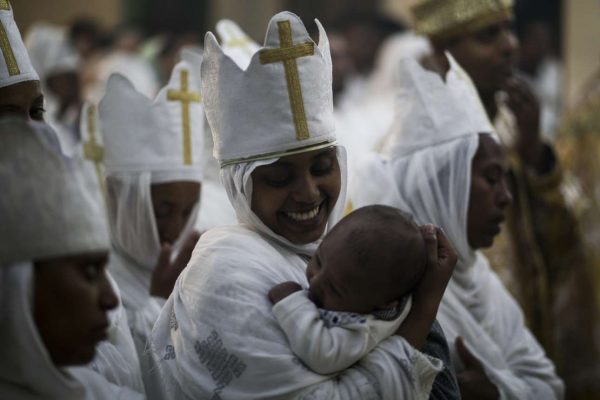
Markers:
point(446, 254)
point(431, 244)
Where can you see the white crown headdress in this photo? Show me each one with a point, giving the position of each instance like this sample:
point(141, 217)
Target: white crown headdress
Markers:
point(430, 111)
point(236, 43)
point(164, 134)
point(280, 104)
point(15, 66)
point(45, 209)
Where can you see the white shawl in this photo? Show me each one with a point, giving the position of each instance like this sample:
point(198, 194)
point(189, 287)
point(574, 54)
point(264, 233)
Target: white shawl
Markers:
point(434, 185)
point(26, 371)
point(217, 337)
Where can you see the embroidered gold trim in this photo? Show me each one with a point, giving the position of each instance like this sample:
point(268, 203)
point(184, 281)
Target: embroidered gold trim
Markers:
point(288, 53)
point(279, 154)
point(447, 19)
point(92, 150)
point(5, 47)
point(185, 97)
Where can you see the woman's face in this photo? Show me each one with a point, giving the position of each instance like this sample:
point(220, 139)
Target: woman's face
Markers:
point(489, 193)
point(72, 296)
point(22, 99)
point(173, 203)
point(295, 195)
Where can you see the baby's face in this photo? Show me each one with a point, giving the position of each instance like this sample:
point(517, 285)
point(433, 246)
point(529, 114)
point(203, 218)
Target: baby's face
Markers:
point(336, 282)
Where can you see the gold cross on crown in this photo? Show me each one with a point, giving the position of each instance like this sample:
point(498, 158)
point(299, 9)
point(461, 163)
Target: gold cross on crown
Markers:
point(186, 98)
point(288, 53)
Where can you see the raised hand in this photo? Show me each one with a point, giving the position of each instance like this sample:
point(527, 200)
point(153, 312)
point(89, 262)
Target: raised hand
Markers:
point(526, 108)
point(166, 272)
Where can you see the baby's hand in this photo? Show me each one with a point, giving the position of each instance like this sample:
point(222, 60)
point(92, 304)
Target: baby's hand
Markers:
point(283, 290)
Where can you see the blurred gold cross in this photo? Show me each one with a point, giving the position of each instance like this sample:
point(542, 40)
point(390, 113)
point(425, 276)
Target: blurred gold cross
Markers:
point(185, 97)
point(92, 151)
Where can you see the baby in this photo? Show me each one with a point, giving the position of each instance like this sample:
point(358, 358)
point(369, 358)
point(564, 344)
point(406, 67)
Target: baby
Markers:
point(360, 280)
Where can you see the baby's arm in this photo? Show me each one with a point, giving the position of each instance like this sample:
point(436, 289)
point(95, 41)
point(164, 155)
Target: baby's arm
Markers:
point(323, 349)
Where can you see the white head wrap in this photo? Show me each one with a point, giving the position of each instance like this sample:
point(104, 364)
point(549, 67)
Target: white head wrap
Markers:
point(280, 104)
point(144, 144)
point(15, 66)
point(45, 210)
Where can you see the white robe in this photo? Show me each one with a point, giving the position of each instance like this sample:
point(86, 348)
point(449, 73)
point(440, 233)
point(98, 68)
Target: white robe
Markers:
point(26, 371)
point(218, 338)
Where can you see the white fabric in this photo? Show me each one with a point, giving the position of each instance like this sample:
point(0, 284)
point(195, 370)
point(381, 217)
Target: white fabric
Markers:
point(50, 51)
point(236, 43)
point(433, 183)
point(256, 99)
point(430, 110)
point(217, 337)
point(25, 71)
point(132, 66)
point(141, 134)
point(328, 348)
point(29, 161)
point(215, 208)
point(365, 111)
point(26, 371)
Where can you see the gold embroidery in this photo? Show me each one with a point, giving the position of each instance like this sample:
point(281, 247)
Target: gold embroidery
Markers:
point(288, 53)
point(446, 19)
point(7, 51)
point(92, 150)
point(185, 98)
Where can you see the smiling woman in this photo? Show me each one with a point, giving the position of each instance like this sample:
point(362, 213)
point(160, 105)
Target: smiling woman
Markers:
point(285, 176)
point(295, 195)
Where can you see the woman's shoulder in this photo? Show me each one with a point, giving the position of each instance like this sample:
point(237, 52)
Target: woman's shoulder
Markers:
point(238, 254)
point(234, 241)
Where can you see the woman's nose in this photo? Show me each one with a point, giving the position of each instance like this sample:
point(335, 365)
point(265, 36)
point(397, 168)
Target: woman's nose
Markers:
point(307, 190)
point(108, 297)
point(505, 197)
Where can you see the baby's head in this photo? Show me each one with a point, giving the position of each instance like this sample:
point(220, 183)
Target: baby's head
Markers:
point(371, 258)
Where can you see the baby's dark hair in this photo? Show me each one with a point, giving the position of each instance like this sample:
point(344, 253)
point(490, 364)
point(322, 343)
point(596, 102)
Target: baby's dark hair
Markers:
point(389, 243)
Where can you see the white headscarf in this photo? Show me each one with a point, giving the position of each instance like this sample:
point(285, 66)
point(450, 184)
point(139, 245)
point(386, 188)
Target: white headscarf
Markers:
point(131, 214)
point(237, 179)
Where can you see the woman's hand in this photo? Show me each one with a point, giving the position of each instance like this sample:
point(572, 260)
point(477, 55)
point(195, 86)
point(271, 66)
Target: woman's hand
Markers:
point(165, 273)
point(472, 381)
point(441, 260)
point(526, 109)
